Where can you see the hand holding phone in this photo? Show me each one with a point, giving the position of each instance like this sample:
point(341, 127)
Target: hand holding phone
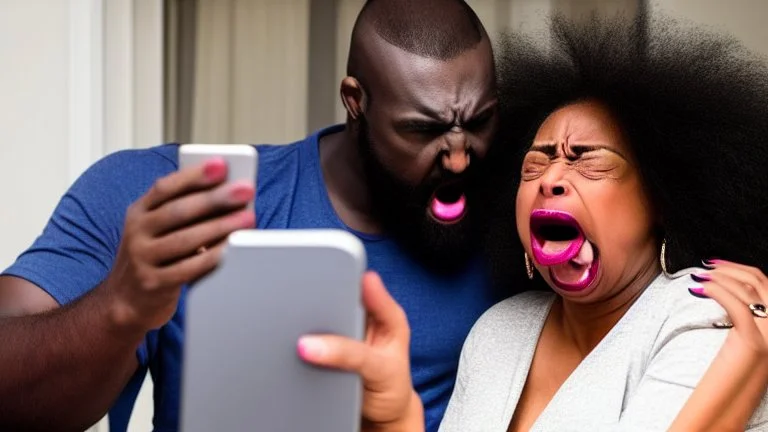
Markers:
point(242, 159)
point(176, 232)
point(243, 320)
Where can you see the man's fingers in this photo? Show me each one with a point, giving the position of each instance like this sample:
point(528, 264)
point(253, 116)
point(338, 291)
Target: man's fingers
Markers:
point(383, 311)
point(197, 206)
point(205, 175)
point(186, 241)
point(194, 267)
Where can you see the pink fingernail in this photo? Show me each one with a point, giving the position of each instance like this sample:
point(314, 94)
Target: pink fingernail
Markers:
point(241, 192)
point(712, 262)
point(310, 348)
point(700, 277)
point(698, 292)
point(215, 169)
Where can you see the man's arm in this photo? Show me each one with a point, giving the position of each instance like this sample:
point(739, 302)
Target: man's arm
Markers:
point(62, 368)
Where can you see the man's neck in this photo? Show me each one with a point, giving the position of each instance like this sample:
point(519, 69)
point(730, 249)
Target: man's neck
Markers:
point(345, 181)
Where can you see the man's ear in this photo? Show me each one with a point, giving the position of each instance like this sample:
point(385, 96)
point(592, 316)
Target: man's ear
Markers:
point(353, 97)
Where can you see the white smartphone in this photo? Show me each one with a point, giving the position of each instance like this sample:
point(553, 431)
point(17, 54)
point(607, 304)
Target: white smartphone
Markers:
point(241, 370)
point(242, 159)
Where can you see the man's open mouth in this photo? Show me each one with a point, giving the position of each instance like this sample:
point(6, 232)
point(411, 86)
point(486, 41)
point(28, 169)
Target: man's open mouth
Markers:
point(449, 203)
point(558, 242)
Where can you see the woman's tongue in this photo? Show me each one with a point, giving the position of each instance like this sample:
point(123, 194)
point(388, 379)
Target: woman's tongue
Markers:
point(576, 269)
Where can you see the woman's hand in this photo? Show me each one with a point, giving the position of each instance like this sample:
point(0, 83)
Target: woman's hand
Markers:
point(735, 383)
point(382, 360)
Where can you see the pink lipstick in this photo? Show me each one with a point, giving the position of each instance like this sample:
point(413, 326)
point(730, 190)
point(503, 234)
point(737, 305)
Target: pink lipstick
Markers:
point(556, 236)
point(558, 242)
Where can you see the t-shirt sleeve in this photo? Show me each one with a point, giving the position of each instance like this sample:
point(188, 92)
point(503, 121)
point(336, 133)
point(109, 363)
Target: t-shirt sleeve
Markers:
point(75, 250)
point(688, 344)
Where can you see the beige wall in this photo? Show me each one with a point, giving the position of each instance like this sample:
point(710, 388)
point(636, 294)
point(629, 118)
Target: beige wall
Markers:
point(745, 19)
point(34, 118)
point(80, 78)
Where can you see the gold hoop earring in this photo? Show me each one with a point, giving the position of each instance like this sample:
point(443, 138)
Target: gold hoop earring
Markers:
point(663, 258)
point(528, 266)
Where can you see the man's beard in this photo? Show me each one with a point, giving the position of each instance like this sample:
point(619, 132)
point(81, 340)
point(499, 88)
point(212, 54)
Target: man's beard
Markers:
point(403, 211)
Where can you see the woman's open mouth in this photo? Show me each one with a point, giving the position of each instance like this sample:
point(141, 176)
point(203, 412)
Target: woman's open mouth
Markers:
point(448, 203)
point(558, 242)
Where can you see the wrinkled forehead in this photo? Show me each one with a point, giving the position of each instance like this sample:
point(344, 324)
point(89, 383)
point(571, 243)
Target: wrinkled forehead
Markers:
point(404, 81)
point(583, 122)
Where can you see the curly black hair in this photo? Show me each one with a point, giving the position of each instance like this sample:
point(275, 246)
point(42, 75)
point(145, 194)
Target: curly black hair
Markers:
point(694, 105)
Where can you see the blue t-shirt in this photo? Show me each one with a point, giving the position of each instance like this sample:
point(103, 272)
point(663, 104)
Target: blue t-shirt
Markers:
point(77, 247)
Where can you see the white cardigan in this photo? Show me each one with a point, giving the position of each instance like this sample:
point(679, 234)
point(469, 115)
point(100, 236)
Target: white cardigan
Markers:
point(637, 379)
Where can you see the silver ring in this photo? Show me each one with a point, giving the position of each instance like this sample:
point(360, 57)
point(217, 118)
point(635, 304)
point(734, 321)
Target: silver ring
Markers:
point(725, 324)
point(758, 310)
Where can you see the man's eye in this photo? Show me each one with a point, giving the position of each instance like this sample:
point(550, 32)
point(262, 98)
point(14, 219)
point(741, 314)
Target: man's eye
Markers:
point(479, 122)
point(425, 128)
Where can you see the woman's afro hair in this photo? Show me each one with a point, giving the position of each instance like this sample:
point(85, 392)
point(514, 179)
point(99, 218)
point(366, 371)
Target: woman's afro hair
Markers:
point(694, 106)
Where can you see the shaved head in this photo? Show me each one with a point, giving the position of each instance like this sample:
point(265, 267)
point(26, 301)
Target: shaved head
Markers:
point(421, 101)
point(436, 29)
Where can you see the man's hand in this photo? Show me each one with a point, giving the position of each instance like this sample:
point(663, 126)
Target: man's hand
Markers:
point(173, 235)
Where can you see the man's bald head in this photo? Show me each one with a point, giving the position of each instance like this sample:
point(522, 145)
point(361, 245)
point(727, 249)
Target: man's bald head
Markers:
point(421, 101)
point(436, 29)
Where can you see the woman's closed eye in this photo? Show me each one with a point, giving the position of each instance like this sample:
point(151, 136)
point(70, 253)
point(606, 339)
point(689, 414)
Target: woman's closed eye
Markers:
point(600, 166)
point(534, 165)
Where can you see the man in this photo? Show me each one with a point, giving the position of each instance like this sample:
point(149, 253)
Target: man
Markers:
point(99, 297)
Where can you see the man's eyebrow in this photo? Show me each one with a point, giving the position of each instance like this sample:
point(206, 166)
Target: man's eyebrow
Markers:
point(421, 124)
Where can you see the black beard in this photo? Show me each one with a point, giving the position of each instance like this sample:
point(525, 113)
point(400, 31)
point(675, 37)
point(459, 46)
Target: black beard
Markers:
point(403, 211)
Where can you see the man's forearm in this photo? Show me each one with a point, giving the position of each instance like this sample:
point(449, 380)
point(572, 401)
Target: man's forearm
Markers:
point(63, 369)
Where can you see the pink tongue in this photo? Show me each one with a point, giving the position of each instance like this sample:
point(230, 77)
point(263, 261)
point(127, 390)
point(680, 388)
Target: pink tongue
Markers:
point(448, 212)
point(555, 247)
point(576, 269)
point(586, 255)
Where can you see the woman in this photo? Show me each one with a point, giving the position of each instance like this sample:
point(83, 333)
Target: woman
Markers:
point(641, 158)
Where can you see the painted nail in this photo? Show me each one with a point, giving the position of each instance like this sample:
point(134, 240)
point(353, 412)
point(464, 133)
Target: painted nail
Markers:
point(711, 262)
point(215, 169)
point(310, 348)
point(241, 192)
point(698, 292)
point(700, 277)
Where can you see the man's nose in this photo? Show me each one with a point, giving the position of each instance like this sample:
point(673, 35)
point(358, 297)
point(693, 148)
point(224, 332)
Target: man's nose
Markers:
point(456, 157)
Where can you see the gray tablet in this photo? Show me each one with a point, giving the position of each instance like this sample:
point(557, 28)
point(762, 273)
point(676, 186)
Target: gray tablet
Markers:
point(241, 371)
